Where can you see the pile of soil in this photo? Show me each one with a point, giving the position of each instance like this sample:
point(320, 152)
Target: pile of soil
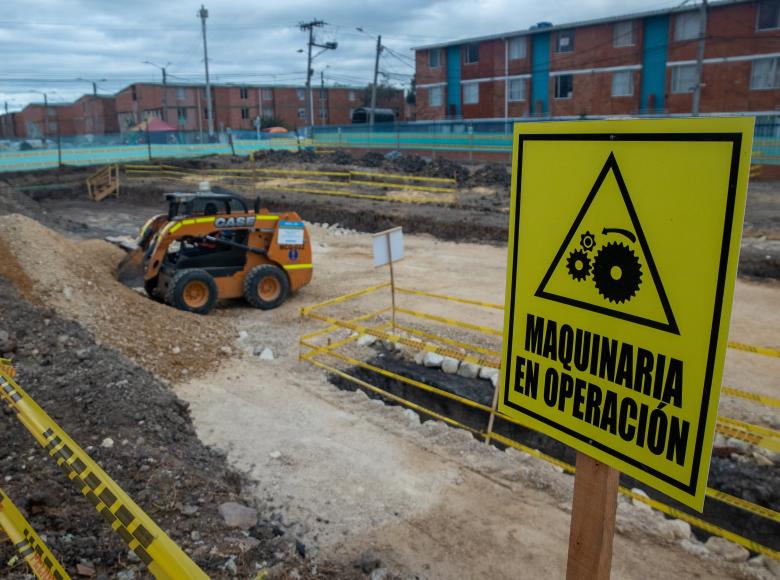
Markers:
point(94, 393)
point(372, 159)
point(77, 280)
point(408, 163)
point(445, 168)
point(490, 175)
point(338, 157)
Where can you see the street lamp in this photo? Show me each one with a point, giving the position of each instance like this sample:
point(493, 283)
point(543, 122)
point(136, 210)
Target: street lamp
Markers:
point(164, 86)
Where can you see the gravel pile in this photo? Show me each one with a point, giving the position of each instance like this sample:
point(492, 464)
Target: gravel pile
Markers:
point(445, 168)
point(408, 163)
point(371, 159)
point(490, 175)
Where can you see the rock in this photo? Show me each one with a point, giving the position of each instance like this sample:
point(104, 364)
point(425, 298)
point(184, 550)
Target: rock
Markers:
point(275, 455)
point(226, 350)
point(367, 563)
point(379, 574)
point(741, 446)
point(176, 350)
point(640, 504)
point(432, 360)
point(230, 566)
point(487, 372)
point(7, 342)
point(773, 566)
point(674, 530)
point(494, 380)
point(300, 547)
point(128, 574)
point(237, 515)
point(108, 443)
point(132, 557)
point(85, 570)
point(82, 354)
point(694, 548)
point(242, 334)
point(727, 550)
point(68, 292)
point(266, 354)
point(468, 370)
point(762, 459)
point(366, 340)
point(450, 365)
point(188, 510)
point(418, 358)
point(195, 535)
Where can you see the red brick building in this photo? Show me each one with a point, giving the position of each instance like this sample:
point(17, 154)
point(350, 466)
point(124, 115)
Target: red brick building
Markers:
point(629, 64)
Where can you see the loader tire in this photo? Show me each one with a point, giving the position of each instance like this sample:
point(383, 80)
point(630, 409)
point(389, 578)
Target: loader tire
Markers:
point(193, 291)
point(266, 286)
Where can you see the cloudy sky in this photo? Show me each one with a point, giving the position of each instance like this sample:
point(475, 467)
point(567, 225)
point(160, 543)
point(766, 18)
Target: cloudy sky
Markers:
point(47, 45)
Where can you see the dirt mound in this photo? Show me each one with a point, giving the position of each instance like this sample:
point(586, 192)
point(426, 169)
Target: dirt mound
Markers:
point(95, 393)
point(77, 280)
point(337, 157)
point(445, 168)
point(490, 175)
point(408, 163)
point(371, 159)
point(274, 156)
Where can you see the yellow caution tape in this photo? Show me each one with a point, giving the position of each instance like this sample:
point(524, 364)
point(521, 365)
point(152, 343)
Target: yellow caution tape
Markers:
point(450, 298)
point(28, 544)
point(406, 177)
point(329, 329)
point(414, 187)
point(156, 550)
point(450, 341)
point(757, 429)
point(451, 322)
point(755, 349)
point(416, 344)
point(715, 494)
point(343, 298)
point(755, 397)
point(748, 437)
point(399, 198)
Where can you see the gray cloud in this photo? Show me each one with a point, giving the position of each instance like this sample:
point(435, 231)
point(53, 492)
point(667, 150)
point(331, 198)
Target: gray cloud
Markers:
point(49, 43)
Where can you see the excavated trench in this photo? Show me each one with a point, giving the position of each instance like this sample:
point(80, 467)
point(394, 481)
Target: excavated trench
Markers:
point(752, 482)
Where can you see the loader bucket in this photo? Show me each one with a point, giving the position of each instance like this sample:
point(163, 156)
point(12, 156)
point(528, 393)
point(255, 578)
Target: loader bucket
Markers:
point(130, 270)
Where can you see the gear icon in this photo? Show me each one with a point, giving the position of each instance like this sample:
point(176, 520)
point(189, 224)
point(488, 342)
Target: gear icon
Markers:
point(578, 265)
point(587, 241)
point(617, 272)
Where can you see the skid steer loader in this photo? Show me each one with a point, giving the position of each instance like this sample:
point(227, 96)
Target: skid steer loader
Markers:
point(210, 246)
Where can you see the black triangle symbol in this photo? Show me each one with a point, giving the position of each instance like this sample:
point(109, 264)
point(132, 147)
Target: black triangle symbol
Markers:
point(671, 324)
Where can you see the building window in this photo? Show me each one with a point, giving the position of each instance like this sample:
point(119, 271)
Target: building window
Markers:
point(564, 86)
point(134, 94)
point(471, 53)
point(564, 42)
point(434, 58)
point(181, 113)
point(268, 113)
point(768, 15)
point(267, 94)
point(352, 95)
point(301, 94)
point(434, 96)
point(765, 74)
point(471, 93)
point(684, 78)
point(623, 34)
point(180, 94)
point(623, 83)
point(205, 112)
point(244, 112)
point(517, 90)
point(243, 93)
point(323, 114)
point(301, 113)
point(687, 26)
point(517, 47)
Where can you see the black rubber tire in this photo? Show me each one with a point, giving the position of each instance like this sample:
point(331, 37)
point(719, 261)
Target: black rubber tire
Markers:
point(175, 293)
point(254, 277)
point(151, 289)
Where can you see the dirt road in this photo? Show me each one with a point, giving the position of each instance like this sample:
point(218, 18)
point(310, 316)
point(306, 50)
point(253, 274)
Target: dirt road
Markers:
point(428, 500)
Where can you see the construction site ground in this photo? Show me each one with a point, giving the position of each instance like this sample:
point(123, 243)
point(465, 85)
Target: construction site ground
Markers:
point(344, 485)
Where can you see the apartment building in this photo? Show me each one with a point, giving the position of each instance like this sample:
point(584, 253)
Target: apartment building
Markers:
point(642, 63)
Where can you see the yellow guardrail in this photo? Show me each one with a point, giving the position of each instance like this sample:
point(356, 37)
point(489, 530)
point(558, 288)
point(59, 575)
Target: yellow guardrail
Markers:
point(163, 558)
point(28, 543)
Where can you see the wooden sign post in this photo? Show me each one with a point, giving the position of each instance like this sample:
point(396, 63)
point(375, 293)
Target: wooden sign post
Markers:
point(388, 248)
point(592, 520)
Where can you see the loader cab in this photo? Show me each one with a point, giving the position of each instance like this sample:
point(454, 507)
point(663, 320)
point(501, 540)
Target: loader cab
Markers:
point(198, 204)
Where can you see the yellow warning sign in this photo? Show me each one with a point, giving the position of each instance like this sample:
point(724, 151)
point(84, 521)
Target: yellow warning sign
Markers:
point(623, 247)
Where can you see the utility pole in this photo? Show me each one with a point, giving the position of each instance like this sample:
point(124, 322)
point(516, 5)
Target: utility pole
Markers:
point(376, 74)
point(203, 14)
point(309, 27)
point(164, 87)
point(700, 58)
point(94, 84)
point(45, 117)
point(322, 97)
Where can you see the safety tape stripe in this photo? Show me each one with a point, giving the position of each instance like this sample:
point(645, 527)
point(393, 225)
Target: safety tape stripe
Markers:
point(28, 543)
point(413, 187)
point(451, 322)
point(757, 429)
point(162, 556)
point(329, 329)
point(449, 341)
point(754, 349)
point(407, 177)
point(297, 266)
point(450, 298)
point(399, 198)
point(344, 297)
point(747, 437)
point(416, 344)
point(721, 496)
point(755, 397)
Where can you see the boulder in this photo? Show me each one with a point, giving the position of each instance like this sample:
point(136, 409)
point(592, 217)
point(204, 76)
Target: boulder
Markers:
point(432, 360)
point(727, 550)
point(237, 515)
point(450, 365)
point(468, 370)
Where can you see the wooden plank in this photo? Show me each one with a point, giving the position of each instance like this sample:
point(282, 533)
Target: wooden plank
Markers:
point(592, 520)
